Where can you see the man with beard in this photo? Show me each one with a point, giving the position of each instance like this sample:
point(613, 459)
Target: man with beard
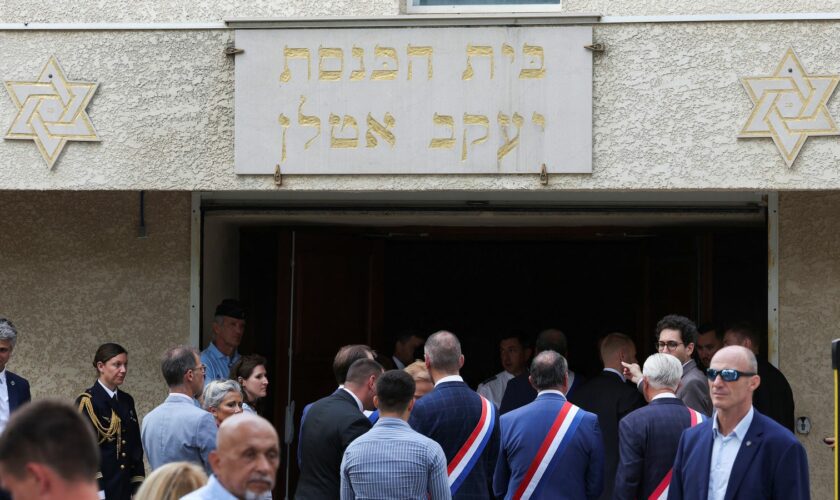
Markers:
point(244, 462)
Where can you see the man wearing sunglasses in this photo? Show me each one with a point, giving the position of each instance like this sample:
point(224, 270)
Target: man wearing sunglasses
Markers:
point(739, 453)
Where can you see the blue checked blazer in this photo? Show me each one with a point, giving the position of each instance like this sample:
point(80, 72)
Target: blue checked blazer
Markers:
point(448, 415)
point(577, 474)
point(647, 445)
point(771, 464)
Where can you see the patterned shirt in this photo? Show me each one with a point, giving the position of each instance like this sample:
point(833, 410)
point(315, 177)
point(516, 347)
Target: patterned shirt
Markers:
point(218, 364)
point(395, 462)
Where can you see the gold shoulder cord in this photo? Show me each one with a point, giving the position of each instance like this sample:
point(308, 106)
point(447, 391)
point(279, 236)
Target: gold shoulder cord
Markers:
point(114, 431)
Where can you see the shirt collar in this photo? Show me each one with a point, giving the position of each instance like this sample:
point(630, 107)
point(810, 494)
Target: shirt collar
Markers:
point(550, 391)
point(664, 395)
point(3, 375)
point(109, 391)
point(178, 394)
point(392, 421)
point(740, 430)
point(397, 363)
point(217, 489)
point(358, 401)
point(613, 370)
point(449, 378)
point(216, 353)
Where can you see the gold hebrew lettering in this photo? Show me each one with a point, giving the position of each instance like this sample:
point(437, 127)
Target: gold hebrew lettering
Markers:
point(308, 121)
point(539, 120)
point(536, 52)
point(507, 50)
point(414, 50)
point(295, 53)
point(358, 74)
point(470, 120)
point(284, 123)
point(385, 74)
point(330, 53)
point(477, 51)
point(510, 144)
point(381, 130)
point(445, 142)
point(343, 142)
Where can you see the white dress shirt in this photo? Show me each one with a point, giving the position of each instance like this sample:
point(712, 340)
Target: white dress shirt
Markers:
point(450, 378)
point(724, 451)
point(4, 401)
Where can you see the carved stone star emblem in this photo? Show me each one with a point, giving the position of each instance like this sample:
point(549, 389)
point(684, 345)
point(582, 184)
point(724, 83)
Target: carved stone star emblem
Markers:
point(51, 111)
point(789, 106)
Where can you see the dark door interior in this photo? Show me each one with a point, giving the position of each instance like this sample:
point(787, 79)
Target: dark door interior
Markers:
point(324, 288)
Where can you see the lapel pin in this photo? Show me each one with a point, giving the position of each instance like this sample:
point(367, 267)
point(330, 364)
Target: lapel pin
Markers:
point(749, 443)
point(12, 382)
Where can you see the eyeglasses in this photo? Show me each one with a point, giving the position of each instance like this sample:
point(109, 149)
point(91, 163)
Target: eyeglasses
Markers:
point(727, 374)
point(200, 368)
point(670, 345)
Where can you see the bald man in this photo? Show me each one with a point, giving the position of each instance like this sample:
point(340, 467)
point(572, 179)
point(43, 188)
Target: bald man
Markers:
point(244, 462)
point(738, 453)
point(611, 397)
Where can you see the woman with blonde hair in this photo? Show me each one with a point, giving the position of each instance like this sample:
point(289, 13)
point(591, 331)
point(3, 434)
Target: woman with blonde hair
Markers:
point(422, 380)
point(172, 481)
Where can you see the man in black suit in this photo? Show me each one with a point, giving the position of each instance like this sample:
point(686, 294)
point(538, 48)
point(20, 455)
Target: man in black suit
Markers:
point(332, 423)
point(14, 389)
point(611, 397)
point(519, 391)
point(774, 397)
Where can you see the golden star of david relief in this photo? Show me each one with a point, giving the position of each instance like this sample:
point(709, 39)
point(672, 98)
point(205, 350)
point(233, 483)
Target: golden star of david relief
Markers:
point(51, 111)
point(789, 106)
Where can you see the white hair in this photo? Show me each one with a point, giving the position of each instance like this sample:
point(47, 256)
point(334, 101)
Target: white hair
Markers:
point(663, 371)
point(8, 331)
point(216, 391)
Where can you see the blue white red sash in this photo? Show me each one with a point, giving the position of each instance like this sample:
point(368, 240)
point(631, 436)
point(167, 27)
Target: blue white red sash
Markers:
point(661, 491)
point(555, 443)
point(464, 461)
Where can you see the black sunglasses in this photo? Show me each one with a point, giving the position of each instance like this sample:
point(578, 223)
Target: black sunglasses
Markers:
point(727, 374)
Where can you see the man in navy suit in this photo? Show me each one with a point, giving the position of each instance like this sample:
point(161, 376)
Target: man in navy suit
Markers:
point(14, 390)
point(648, 437)
point(550, 448)
point(463, 423)
point(751, 455)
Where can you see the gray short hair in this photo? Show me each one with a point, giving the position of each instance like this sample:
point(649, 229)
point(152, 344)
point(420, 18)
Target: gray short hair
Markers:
point(444, 351)
point(549, 370)
point(176, 362)
point(216, 391)
point(663, 371)
point(8, 331)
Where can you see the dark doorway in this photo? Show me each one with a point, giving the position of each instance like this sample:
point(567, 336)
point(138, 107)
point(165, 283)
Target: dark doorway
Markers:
point(321, 288)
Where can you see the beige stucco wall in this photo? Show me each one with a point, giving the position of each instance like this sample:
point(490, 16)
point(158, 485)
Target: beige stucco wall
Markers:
point(809, 315)
point(75, 275)
point(667, 107)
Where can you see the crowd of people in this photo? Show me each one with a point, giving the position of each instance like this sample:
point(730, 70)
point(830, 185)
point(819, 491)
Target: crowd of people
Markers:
point(701, 418)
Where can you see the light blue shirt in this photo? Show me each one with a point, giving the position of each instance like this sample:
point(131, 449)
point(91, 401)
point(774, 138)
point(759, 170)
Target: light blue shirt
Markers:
point(393, 461)
point(213, 490)
point(218, 364)
point(724, 451)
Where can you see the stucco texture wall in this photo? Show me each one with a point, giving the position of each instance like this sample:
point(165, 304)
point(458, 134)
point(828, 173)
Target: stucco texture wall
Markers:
point(75, 275)
point(209, 10)
point(667, 107)
point(809, 313)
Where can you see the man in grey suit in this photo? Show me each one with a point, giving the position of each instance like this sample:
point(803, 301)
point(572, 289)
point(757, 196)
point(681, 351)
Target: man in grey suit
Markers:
point(677, 335)
point(178, 430)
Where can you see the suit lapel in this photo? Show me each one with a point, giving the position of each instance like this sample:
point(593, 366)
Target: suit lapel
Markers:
point(11, 387)
point(745, 456)
point(706, 442)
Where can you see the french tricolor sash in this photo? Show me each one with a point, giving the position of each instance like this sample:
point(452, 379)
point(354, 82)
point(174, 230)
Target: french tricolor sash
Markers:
point(464, 461)
point(555, 443)
point(661, 491)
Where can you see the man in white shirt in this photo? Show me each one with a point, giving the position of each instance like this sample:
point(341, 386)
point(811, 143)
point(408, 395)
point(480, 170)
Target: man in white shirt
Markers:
point(515, 353)
point(749, 455)
point(244, 462)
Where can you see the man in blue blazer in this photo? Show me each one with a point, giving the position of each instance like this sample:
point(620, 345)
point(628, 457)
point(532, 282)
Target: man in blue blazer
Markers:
point(573, 464)
point(14, 389)
point(753, 457)
point(178, 430)
point(455, 416)
point(648, 437)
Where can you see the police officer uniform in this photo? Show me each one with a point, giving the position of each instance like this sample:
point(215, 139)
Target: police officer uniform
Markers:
point(117, 430)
